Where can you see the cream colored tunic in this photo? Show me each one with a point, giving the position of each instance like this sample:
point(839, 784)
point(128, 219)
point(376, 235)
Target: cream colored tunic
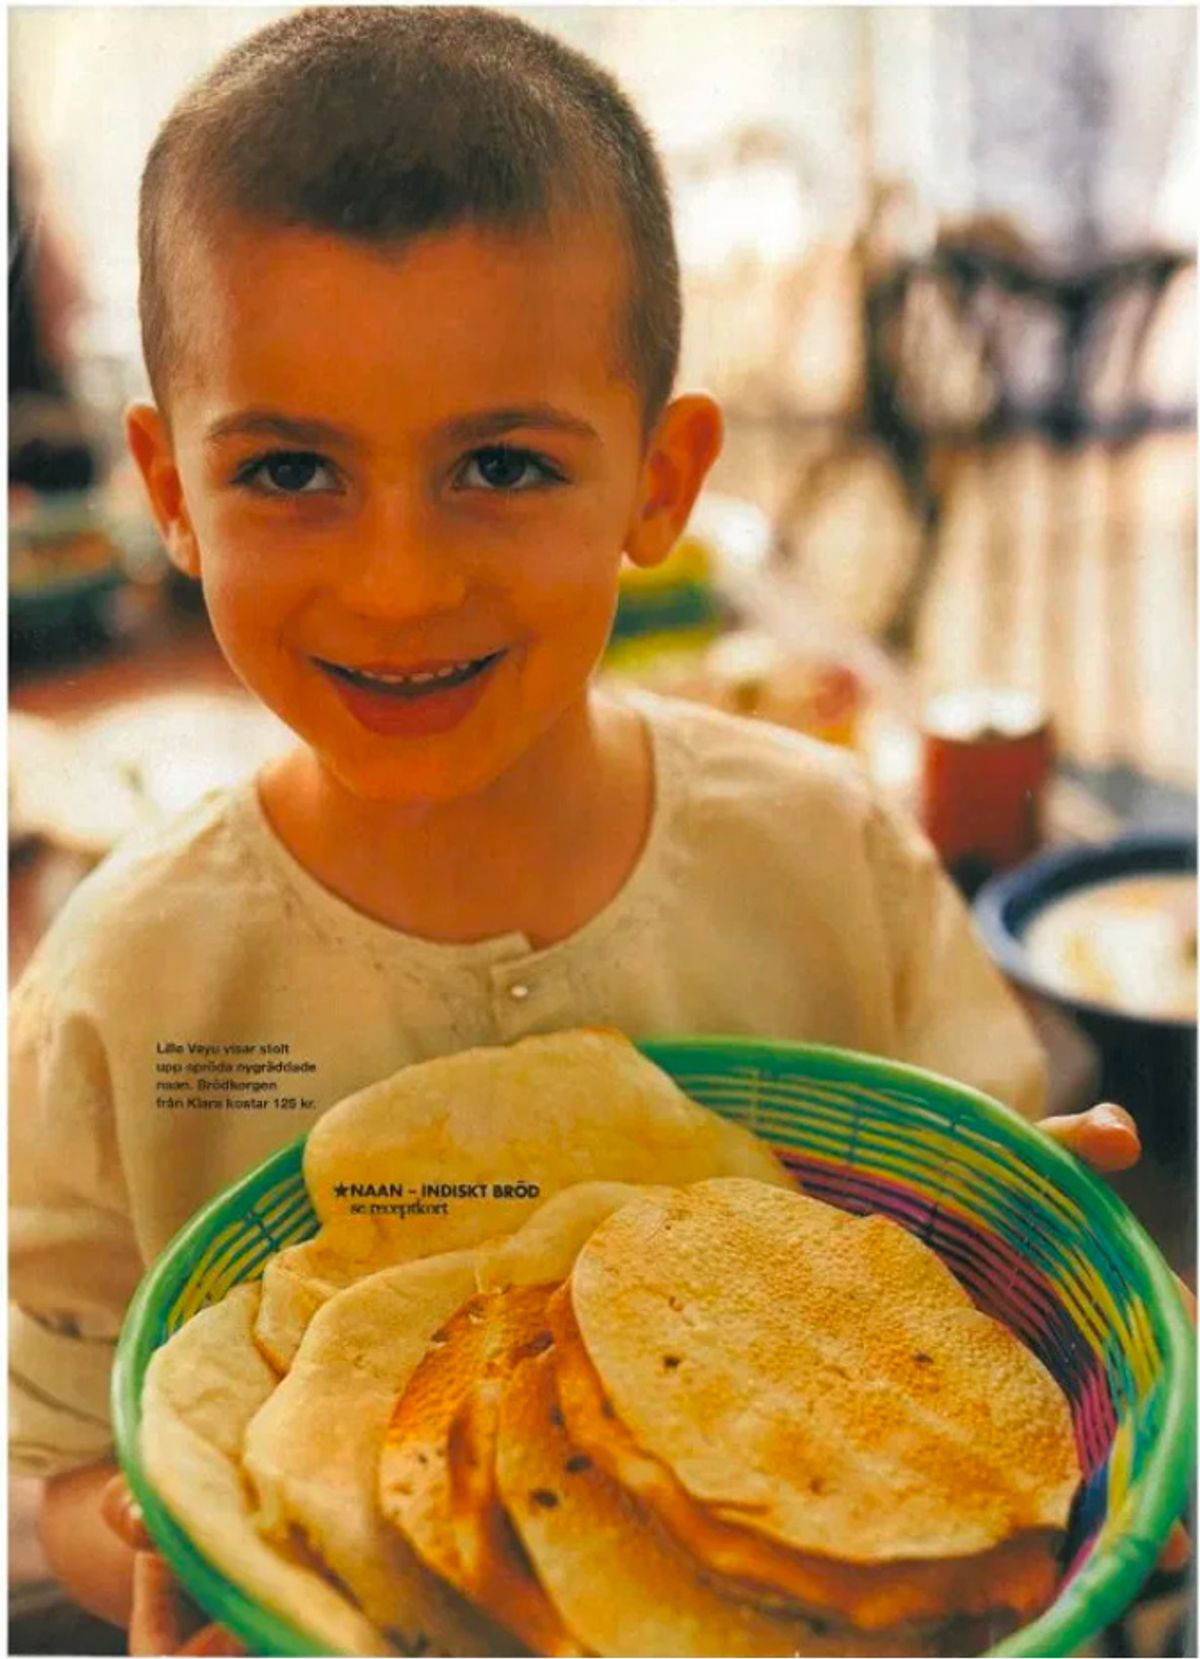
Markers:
point(775, 896)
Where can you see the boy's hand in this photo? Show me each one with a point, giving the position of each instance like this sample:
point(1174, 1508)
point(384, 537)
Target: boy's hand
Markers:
point(1106, 1139)
point(163, 1620)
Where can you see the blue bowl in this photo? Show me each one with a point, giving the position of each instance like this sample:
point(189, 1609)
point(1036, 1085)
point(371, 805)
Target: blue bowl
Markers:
point(1148, 1062)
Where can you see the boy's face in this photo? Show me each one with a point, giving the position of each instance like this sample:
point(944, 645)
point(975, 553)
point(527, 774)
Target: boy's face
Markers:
point(407, 482)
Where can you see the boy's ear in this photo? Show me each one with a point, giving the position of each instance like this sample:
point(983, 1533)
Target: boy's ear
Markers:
point(682, 448)
point(150, 445)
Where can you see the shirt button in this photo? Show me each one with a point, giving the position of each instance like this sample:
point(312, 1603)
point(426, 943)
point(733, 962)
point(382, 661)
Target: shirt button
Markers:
point(518, 992)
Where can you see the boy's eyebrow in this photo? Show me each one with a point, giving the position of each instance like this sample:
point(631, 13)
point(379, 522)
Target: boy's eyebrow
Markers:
point(493, 423)
point(476, 427)
point(268, 423)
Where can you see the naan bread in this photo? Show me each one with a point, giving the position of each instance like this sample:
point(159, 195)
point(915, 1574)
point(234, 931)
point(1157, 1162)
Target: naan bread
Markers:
point(621, 1585)
point(596, 1416)
point(202, 1389)
point(544, 1114)
point(443, 1428)
point(546, 1246)
point(905, 1597)
point(312, 1451)
point(820, 1381)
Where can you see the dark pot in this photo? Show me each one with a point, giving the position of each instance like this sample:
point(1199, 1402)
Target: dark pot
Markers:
point(1148, 1063)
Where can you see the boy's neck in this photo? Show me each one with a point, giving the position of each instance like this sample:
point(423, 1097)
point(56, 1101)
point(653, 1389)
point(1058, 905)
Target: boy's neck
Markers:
point(539, 852)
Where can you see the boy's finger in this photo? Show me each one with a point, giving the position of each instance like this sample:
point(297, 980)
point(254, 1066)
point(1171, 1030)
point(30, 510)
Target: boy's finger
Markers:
point(121, 1511)
point(156, 1625)
point(213, 1639)
point(1177, 1551)
point(1105, 1138)
point(1186, 1297)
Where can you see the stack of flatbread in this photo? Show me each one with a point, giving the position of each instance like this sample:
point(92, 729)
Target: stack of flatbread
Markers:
point(709, 1417)
point(745, 1423)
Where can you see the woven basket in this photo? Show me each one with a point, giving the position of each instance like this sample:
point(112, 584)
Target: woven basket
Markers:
point(1037, 1241)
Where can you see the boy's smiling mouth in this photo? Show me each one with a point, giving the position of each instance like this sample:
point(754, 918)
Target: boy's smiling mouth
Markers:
point(423, 699)
point(417, 681)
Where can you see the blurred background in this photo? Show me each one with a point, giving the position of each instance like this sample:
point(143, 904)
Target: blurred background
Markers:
point(940, 268)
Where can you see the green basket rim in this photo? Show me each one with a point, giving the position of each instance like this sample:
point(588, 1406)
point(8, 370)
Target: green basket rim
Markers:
point(1101, 1589)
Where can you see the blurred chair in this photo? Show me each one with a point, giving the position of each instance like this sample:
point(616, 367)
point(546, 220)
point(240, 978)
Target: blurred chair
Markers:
point(1043, 476)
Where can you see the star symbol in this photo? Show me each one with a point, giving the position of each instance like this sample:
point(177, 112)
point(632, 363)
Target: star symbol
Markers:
point(340, 1190)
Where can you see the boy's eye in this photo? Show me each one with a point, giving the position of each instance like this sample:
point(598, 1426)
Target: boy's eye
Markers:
point(288, 473)
point(501, 467)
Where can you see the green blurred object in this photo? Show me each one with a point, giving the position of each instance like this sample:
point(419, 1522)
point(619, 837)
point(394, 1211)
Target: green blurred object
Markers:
point(686, 606)
point(726, 540)
point(67, 555)
point(62, 605)
point(635, 653)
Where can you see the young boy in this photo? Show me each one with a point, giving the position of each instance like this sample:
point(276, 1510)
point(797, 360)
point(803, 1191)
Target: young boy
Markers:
point(411, 315)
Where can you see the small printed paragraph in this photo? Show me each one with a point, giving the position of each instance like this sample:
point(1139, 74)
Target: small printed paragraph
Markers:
point(230, 1077)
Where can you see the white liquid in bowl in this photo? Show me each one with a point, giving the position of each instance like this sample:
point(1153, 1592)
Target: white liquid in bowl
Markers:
point(1127, 944)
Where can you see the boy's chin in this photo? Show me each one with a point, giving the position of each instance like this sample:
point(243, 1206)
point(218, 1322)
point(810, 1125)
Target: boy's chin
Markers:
point(419, 786)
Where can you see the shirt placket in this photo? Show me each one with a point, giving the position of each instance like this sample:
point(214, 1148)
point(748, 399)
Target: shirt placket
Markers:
point(528, 996)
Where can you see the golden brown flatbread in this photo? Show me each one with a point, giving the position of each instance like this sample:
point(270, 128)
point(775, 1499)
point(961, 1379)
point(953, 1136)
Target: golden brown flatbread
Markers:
point(620, 1583)
point(456, 1525)
point(897, 1596)
point(856, 1408)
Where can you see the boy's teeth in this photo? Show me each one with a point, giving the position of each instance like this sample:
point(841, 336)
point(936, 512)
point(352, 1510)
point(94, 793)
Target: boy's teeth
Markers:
point(451, 673)
point(421, 678)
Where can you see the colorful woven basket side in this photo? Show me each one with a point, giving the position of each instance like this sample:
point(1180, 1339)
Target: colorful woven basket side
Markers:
point(1037, 1241)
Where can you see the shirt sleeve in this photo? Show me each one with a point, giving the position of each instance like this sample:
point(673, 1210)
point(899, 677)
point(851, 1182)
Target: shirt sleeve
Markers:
point(73, 1258)
point(953, 1012)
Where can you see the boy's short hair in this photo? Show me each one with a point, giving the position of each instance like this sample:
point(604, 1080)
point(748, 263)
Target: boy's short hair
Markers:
point(380, 123)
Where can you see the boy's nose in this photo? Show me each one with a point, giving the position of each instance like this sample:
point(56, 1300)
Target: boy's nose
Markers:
point(398, 566)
